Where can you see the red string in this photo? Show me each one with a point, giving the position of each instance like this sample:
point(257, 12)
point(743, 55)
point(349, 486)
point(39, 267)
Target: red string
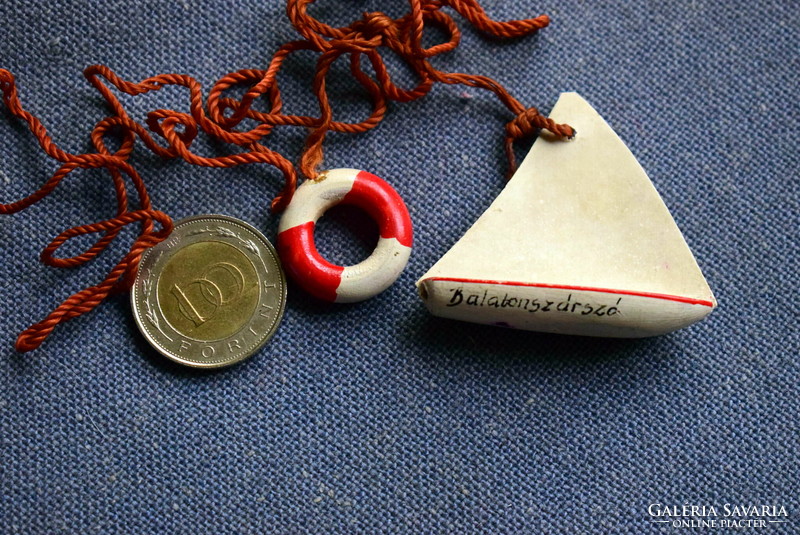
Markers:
point(218, 117)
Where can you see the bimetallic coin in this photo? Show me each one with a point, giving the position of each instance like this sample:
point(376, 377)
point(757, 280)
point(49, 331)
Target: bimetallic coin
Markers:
point(211, 294)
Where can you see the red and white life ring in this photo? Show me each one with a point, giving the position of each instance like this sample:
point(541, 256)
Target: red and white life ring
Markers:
point(342, 284)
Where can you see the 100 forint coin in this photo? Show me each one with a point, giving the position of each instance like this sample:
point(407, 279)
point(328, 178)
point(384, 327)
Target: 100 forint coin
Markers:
point(211, 294)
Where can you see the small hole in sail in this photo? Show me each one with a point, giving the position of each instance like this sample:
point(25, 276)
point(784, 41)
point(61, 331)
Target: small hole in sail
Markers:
point(423, 291)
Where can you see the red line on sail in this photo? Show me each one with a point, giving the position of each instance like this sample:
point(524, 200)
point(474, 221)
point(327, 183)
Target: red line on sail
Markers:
point(667, 297)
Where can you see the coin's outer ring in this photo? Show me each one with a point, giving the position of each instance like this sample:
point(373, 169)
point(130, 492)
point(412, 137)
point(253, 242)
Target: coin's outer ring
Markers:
point(155, 257)
point(345, 284)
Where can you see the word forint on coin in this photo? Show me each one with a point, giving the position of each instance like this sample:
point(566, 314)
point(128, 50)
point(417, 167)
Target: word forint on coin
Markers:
point(212, 294)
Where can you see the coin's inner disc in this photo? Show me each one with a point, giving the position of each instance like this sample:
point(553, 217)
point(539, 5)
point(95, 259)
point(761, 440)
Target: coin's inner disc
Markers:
point(208, 290)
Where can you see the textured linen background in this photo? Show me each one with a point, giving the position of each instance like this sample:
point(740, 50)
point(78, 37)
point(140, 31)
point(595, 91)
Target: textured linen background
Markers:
point(376, 417)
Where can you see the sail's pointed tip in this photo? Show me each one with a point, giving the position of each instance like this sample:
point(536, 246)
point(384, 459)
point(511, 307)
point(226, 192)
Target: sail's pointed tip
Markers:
point(572, 97)
point(570, 94)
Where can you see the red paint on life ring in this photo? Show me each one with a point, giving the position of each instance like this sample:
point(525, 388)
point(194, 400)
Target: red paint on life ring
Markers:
point(305, 265)
point(383, 204)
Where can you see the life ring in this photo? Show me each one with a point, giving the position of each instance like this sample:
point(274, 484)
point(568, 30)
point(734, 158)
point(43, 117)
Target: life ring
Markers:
point(345, 284)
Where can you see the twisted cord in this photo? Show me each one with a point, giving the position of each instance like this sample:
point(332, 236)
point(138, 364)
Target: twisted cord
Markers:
point(170, 134)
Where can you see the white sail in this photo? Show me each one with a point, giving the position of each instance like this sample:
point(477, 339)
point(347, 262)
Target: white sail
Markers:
point(579, 242)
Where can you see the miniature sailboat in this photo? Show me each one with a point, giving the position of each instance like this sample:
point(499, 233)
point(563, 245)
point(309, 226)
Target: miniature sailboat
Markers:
point(579, 242)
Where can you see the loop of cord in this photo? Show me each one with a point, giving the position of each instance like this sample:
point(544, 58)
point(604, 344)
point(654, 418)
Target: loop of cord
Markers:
point(219, 116)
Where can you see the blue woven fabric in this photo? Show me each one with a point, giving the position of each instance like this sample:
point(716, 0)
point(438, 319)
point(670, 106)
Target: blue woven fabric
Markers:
point(377, 417)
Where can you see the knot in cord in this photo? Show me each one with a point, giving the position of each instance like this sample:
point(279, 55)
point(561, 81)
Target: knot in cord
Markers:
point(530, 121)
point(527, 123)
point(375, 24)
